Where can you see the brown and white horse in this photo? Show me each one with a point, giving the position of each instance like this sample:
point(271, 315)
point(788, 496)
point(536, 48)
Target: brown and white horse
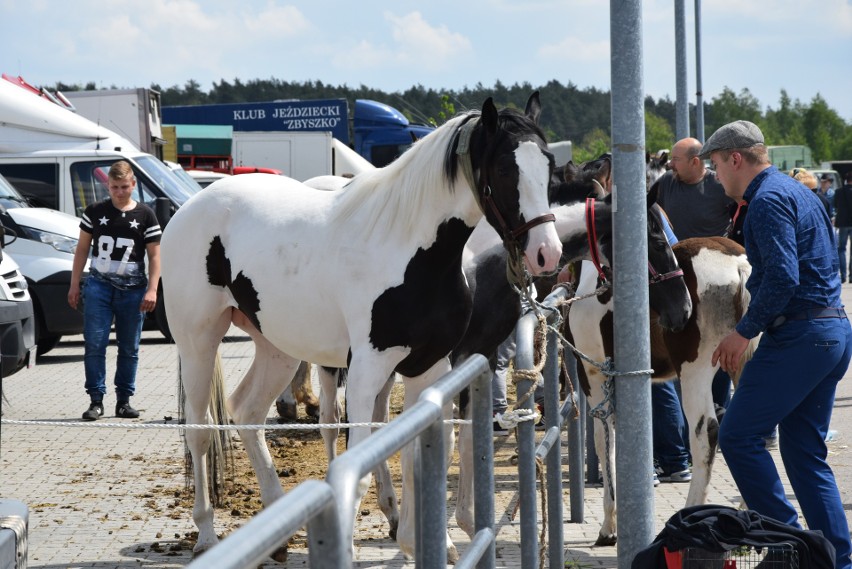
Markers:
point(715, 271)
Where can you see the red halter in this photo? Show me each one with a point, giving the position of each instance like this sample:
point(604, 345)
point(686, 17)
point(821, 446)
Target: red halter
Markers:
point(653, 276)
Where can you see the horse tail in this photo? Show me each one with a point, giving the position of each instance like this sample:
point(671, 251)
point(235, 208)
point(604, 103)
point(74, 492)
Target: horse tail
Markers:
point(741, 300)
point(220, 454)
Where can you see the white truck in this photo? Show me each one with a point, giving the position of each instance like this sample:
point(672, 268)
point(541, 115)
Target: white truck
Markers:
point(298, 154)
point(133, 113)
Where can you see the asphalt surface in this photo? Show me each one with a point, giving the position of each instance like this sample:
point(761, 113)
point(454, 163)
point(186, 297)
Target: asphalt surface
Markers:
point(108, 496)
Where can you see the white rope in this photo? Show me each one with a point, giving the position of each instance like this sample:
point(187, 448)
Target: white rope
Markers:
point(511, 419)
point(275, 427)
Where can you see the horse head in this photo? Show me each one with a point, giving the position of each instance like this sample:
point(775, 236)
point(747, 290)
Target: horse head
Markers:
point(655, 166)
point(505, 160)
point(667, 293)
point(571, 183)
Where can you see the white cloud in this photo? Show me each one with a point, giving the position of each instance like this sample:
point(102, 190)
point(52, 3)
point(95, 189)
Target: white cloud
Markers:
point(415, 44)
point(575, 49)
point(419, 43)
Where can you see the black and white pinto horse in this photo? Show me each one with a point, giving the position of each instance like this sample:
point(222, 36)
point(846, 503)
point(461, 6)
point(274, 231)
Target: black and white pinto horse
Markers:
point(370, 276)
point(715, 270)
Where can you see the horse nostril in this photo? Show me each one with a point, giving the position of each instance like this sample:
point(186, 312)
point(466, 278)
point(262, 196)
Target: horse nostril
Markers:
point(541, 261)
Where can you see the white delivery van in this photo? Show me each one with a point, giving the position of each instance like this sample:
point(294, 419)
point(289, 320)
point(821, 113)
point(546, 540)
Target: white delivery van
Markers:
point(17, 325)
point(42, 242)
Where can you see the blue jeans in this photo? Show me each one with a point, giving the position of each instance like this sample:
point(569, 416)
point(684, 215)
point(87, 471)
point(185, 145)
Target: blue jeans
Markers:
point(102, 303)
point(505, 354)
point(791, 382)
point(844, 234)
point(671, 451)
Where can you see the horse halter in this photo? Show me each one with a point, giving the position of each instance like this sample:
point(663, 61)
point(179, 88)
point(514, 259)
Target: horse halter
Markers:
point(485, 200)
point(653, 276)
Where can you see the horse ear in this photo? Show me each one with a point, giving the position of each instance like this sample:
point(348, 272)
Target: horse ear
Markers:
point(489, 116)
point(570, 171)
point(647, 157)
point(533, 110)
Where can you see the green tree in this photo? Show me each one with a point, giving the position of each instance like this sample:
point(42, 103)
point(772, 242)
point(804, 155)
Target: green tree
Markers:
point(729, 107)
point(825, 130)
point(658, 133)
point(594, 144)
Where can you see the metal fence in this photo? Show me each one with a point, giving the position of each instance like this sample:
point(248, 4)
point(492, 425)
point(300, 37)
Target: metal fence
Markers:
point(327, 507)
point(548, 452)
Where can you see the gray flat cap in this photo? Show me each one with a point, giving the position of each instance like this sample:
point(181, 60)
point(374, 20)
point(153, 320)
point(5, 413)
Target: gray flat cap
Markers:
point(737, 134)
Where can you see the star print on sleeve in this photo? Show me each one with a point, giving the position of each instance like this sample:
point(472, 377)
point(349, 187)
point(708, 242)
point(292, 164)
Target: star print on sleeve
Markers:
point(134, 224)
point(103, 220)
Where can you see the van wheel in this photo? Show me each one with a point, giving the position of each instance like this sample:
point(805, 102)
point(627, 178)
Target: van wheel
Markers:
point(45, 344)
point(160, 315)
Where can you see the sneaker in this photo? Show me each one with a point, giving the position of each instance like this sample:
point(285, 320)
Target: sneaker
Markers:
point(125, 411)
point(499, 429)
point(656, 480)
point(94, 412)
point(681, 476)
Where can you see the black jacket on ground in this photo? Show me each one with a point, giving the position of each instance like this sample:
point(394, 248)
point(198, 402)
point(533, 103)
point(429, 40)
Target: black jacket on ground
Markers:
point(720, 529)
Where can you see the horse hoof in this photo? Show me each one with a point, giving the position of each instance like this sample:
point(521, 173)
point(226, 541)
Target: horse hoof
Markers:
point(312, 410)
point(606, 539)
point(286, 411)
point(452, 555)
point(280, 554)
point(392, 533)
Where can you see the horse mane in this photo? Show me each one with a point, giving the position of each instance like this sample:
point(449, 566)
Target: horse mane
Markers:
point(395, 196)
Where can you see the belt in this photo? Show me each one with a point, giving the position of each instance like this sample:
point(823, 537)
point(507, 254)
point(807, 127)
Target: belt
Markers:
point(814, 313)
point(810, 314)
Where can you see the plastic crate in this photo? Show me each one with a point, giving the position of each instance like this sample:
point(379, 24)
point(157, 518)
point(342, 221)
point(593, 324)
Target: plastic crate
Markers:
point(775, 556)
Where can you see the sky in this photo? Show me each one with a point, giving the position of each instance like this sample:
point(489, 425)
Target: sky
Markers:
point(801, 46)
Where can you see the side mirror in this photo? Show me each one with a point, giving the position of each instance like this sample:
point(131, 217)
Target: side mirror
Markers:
point(163, 209)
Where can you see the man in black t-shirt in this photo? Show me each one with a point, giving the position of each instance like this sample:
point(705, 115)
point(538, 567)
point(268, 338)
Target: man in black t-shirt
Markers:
point(119, 233)
point(843, 223)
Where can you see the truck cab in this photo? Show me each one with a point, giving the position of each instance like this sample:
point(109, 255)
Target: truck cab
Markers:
point(382, 133)
point(71, 180)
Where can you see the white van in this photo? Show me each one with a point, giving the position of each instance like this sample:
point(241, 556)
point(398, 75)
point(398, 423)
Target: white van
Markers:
point(17, 325)
point(42, 242)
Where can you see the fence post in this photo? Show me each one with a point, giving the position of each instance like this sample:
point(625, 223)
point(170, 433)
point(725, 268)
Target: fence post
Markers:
point(483, 463)
point(430, 483)
point(525, 435)
point(553, 418)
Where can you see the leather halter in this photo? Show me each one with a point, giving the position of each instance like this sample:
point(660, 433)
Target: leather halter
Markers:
point(653, 276)
point(483, 194)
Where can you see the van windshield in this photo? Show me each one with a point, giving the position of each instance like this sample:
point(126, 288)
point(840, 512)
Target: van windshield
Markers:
point(9, 196)
point(173, 186)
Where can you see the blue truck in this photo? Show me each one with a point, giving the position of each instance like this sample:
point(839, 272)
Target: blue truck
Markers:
point(376, 131)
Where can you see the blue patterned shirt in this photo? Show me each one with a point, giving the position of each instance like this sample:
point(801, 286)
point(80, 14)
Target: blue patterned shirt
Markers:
point(790, 244)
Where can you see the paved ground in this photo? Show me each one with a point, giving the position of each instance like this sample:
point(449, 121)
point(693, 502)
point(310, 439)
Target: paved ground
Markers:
point(110, 497)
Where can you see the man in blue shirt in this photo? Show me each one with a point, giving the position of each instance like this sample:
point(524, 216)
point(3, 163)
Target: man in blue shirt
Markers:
point(806, 344)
